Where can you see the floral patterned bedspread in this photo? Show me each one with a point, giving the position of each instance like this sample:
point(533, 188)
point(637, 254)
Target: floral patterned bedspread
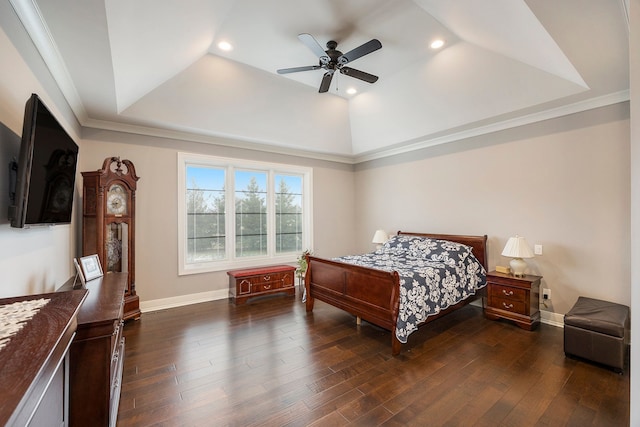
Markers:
point(434, 274)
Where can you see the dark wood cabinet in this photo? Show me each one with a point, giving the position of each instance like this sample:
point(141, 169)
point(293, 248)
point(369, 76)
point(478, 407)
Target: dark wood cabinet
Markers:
point(108, 222)
point(253, 282)
point(96, 356)
point(34, 364)
point(513, 298)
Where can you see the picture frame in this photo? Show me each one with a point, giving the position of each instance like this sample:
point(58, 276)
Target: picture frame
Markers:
point(91, 268)
point(79, 274)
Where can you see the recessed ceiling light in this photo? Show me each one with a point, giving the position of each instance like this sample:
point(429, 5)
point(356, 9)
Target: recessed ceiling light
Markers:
point(226, 46)
point(437, 44)
point(352, 91)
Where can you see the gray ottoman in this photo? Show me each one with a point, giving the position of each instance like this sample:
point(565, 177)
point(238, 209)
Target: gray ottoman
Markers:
point(598, 331)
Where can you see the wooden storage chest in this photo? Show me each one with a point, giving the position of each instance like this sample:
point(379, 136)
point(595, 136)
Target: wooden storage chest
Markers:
point(253, 282)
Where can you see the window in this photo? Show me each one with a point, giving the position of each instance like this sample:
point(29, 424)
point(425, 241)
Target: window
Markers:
point(233, 213)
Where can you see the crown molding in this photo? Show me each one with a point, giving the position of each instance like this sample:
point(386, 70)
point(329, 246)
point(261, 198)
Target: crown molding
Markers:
point(265, 146)
point(214, 139)
point(29, 14)
point(552, 113)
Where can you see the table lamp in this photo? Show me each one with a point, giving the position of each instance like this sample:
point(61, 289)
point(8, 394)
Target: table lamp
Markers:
point(379, 238)
point(517, 248)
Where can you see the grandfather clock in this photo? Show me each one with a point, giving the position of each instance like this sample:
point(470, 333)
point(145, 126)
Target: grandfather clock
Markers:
point(108, 222)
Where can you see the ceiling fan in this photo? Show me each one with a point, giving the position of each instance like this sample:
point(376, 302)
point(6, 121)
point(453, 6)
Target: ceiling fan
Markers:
point(332, 60)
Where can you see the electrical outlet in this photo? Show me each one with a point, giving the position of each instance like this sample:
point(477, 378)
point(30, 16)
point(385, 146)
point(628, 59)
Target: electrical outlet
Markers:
point(546, 294)
point(537, 249)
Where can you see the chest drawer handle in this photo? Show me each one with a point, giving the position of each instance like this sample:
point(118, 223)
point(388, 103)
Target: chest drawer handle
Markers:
point(507, 306)
point(267, 278)
point(504, 291)
point(267, 287)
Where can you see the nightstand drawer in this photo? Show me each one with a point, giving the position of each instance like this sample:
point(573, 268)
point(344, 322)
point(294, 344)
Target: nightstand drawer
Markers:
point(499, 291)
point(513, 306)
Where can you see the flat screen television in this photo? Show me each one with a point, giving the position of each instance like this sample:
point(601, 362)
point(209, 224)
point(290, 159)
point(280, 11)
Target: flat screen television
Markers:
point(45, 172)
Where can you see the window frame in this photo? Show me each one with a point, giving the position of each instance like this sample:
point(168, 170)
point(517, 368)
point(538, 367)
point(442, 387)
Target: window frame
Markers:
point(230, 165)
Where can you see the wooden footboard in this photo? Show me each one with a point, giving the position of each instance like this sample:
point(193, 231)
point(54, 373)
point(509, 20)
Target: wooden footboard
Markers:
point(370, 294)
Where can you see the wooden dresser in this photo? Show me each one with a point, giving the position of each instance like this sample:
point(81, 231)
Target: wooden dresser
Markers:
point(253, 282)
point(513, 298)
point(97, 354)
point(34, 362)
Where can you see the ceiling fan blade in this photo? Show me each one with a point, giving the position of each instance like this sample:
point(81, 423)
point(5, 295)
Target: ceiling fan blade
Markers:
point(360, 51)
point(297, 69)
point(352, 72)
point(315, 47)
point(326, 82)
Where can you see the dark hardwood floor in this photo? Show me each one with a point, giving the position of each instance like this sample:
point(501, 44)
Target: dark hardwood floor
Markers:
point(268, 363)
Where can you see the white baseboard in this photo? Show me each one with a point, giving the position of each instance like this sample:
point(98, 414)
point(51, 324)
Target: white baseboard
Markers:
point(546, 317)
point(551, 318)
point(182, 300)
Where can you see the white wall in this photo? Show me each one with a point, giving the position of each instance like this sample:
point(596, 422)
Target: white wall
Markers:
point(563, 183)
point(155, 160)
point(634, 61)
point(39, 259)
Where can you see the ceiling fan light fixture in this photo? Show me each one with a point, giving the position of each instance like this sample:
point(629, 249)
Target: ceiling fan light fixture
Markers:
point(225, 46)
point(351, 91)
point(332, 60)
point(437, 44)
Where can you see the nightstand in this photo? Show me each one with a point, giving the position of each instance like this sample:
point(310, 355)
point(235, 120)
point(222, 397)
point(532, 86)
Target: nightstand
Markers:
point(513, 298)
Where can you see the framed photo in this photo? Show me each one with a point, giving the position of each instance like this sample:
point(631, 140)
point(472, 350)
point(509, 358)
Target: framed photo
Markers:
point(79, 274)
point(91, 268)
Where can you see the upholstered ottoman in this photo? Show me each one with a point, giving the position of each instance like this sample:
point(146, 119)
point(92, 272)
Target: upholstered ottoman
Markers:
point(598, 331)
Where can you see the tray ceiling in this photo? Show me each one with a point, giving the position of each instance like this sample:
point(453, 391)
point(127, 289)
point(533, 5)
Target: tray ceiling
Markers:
point(155, 67)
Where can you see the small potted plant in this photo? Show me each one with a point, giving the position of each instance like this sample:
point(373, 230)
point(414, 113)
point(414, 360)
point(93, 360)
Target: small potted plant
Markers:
point(301, 271)
point(302, 265)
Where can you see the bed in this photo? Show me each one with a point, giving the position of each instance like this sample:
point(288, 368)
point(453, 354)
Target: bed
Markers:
point(373, 288)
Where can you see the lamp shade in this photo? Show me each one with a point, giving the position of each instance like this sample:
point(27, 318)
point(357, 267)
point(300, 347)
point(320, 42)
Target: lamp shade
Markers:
point(517, 247)
point(380, 237)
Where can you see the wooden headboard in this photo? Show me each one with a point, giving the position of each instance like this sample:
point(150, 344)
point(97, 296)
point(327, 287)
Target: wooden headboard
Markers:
point(478, 243)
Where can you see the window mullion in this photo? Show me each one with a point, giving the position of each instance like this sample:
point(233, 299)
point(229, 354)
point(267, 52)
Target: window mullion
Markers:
point(230, 217)
point(271, 214)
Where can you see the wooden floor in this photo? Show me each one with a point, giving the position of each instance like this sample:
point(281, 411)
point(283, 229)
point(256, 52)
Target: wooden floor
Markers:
point(270, 364)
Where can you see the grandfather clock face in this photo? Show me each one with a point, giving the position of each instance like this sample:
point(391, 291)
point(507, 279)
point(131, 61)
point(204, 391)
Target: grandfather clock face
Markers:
point(117, 200)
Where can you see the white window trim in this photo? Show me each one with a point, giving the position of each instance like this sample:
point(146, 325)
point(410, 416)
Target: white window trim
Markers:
point(230, 164)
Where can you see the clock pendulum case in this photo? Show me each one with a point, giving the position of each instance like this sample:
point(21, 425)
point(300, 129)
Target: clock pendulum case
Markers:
point(108, 222)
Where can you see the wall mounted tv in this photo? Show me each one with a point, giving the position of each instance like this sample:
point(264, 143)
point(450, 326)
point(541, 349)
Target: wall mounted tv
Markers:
point(45, 173)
